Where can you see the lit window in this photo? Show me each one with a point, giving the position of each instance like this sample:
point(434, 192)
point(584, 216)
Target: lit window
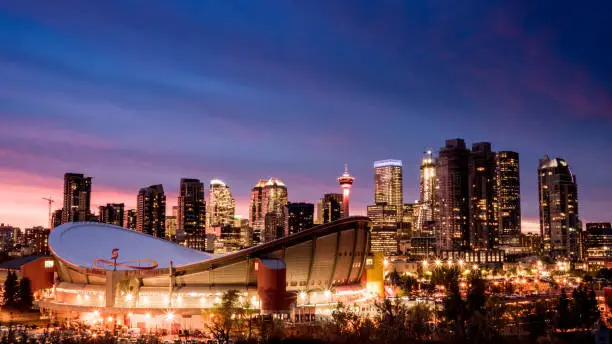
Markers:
point(49, 264)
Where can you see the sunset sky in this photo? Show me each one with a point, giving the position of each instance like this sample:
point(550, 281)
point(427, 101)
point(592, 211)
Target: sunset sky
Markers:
point(135, 93)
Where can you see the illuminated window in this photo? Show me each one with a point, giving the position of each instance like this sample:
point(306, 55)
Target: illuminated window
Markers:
point(49, 264)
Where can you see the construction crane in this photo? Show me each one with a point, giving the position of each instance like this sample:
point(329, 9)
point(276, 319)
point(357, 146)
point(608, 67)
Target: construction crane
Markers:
point(50, 201)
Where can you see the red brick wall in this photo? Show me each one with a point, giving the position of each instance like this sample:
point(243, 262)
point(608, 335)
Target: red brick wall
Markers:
point(40, 277)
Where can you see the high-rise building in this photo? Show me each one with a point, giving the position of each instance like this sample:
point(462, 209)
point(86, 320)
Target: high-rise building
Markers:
point(37, 240)
point(346, 182)
point(77, 197)
point(558, 194)
point(329, 208)
point(7, 238)
point(452, 196)
point(598, 245)
point(383, 215)
point(130, 220)
point(388, 186)
point(112, 213)
point(56, 218)
point(191, 215)
point(275, 198)
point(171, 228)
point(268, 197)
point(483, 197)
point(509, 197)
point(300, 216)
point(220, 206)
point(151, 211)
point(257, 216)
point(427, 190)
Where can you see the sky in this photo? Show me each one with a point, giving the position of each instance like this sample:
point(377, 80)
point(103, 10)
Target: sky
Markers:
point(135, 93)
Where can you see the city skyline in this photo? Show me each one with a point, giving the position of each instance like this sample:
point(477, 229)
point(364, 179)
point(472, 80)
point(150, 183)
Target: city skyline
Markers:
point(85, 91)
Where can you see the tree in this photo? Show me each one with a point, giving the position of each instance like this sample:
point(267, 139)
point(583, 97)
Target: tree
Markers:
point(25, 294)
point(564, 315)
point(351, 327)
point(536, 321)
point(10, 295)
point(225, 317)
point(418, 319)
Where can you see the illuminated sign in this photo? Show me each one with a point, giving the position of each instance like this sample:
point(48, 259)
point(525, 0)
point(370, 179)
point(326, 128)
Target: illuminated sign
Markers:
point(388, 162)
point(49, 264)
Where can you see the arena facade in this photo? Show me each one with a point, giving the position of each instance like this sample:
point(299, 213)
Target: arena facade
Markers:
point(106, 273)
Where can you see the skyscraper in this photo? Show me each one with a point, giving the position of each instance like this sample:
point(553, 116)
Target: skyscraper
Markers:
point(274, 199)
point(191, 215)
point(509, 197)
point(112, 213)
point(388, 187)
point(452, 195)
point(346, 182)
point(257, 216)
point(558, 194)
point(151, 211)
point(299, 217)
point(483, 197)
point(77, 197)
point(130, 220)
point(329, 208)
point(427, 205)
point(220, 206)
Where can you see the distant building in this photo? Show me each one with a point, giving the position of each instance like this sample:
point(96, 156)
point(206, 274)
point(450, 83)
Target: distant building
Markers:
point(300, 217)
point(7, 238)
point(56, 218)
point(37, 240)
point(220, 207)
point(427, 205)
point(112, 213)
point(388, 184)
point(384, 240)
point(452, 195)
point(228, 240)
point(482, 197)
point(191, 215)
point(509, 196)
point(383, 215)
point(558, 194)
point(151, 211)
point(329, 208)
point(256, 213)
point(598, 245)
point(77, 198)
point(130, 219)
point(171, 228)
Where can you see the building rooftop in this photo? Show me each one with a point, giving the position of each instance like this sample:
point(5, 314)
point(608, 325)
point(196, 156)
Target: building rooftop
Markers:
point(16, 264)
point(387, 162)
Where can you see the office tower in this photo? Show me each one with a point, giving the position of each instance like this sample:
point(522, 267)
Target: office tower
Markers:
point(388, 187)
point(112, 213)
point(329, 208)
point(77, 197)
point(346, 182)
point(220, 206)
point(273, 228)
point(299, 217)
point(452, 195)
point(256, 215)
point(482, 197)
point(131, 219)
point(598, 244)
point(508, 197)
point(228, 240)
point(427, 192)
point(56, 219)
point(407, 225)
point(171, 228)
point(151, 211)
point(274, 199)
point(558, 194)
point(191, 215)
point(383, 216)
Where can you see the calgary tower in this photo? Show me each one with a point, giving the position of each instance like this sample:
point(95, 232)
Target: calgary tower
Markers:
point(346, 182)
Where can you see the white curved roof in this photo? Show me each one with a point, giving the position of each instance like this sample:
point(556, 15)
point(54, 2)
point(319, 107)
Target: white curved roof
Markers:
point(80, 243)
